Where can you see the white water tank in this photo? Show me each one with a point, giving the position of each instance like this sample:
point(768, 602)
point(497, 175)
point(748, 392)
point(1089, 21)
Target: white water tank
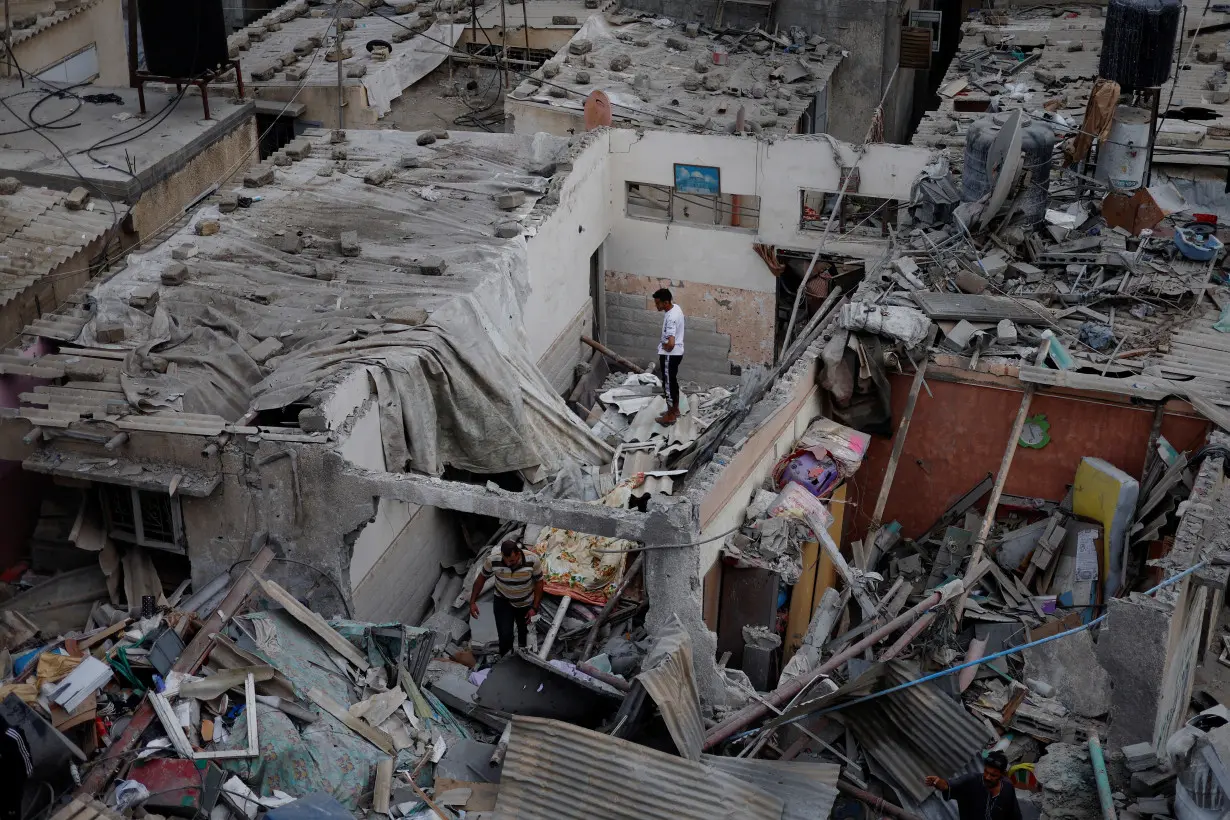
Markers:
point(1123, 157)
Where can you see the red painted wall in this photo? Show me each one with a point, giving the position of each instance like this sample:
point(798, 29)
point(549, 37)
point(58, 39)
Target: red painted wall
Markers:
point(959, 435)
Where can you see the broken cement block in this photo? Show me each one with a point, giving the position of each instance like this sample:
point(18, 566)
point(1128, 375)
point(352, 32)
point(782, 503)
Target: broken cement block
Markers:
point(304, 47)
point(336, 136)
point(510, 201)
point(266, 350)
point(299, 149)
point(109, 332)
point(580, 45)
point(1150, 781)
point(228, 202)
point(357, 71)
point(426, 138)
point(563, 20)
point(550, 70)
point(175, 274)
point(692, 29)
point(207, 227)
point(970, 282)
point(144, 297)
point(994, 265)
point(761, 47)
point(264, 75)
point(620, 62)
point(331, 56)
point(582, 78)
point(431, 266)
point(339, 153)
point(412, 316)
point(1005, 332)
point(959, 337)
point(758, 91)
point(258, 177)
point(289, 243)
point(312, 420)
point(507, 230)
point(378, 176)
point(77, 199)
point(280, 159)
point(558, 91)
point(677, 43)
point(9, 186)
point(350, 243)
point(761, 637)
point(1026, 271)
point(1139, 756)
point(184, 251)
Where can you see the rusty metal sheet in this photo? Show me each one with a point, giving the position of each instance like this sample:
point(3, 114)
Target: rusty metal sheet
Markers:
point(671, 682)
point(808, 790)
point(564, 772)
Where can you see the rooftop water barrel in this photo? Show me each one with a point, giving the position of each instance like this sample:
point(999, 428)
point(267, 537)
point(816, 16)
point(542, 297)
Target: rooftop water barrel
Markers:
point(1123, 157)
point(1038, 146)
point(1138, 42)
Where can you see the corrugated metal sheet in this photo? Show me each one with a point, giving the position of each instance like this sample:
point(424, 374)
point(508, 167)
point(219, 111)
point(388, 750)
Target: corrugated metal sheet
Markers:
point(38, 234)
point(563, 772)
point(808, 790)
point(47, 21)
point(912, 733)
point(917, 731)
point(671, 682)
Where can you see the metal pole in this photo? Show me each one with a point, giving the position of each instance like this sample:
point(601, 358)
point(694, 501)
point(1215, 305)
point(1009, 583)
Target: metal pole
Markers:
point(8, 37)
point(341, 100)
point(1103, 779)
point(504, 40)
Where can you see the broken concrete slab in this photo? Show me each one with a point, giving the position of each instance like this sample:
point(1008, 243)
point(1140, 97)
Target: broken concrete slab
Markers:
point(77, 199)
point(349, 243)
point(1071, 666)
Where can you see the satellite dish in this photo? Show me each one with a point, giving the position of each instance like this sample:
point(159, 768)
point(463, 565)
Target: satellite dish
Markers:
point(1003, 164)
point(597, 110)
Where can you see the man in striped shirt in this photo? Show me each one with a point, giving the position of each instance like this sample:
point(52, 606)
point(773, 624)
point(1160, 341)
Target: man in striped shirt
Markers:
point(518, 591)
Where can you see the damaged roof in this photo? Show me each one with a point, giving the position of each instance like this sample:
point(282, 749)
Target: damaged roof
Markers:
point(659, 76)
point(39, 233)
point(338, 256)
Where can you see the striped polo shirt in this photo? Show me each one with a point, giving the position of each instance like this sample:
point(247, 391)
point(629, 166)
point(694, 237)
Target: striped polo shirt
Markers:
point(515, 584)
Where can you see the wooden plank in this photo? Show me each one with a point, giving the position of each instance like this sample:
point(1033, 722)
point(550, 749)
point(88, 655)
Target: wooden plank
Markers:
point(378, 738)
point(384, 786)
point(95, 353)
point(189, 662)
point(253, 749)
point(1139, 388)
point(315, 623)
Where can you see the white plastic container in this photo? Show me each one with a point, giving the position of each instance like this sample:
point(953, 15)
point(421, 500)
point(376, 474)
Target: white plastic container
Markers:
point(1123, 158)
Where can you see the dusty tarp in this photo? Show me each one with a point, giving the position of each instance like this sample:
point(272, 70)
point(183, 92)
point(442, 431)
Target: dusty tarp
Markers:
point(409, 63)
point(449, 354)
point(670, 680)
point(586, 567)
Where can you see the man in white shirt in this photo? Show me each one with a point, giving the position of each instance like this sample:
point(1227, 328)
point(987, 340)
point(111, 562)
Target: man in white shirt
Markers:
point(670, 352)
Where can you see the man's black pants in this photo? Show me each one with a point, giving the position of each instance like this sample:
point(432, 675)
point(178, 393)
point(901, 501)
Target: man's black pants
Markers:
point(506, 617)
point(670, 378)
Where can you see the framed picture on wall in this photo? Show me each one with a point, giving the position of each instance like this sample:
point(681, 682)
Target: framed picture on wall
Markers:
point(698, 179)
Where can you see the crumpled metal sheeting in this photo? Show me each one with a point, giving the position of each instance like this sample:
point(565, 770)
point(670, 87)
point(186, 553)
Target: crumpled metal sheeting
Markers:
point(561, 771)
point(912, 733)
point(807, 789)
point(670, 681)
point(917, 731)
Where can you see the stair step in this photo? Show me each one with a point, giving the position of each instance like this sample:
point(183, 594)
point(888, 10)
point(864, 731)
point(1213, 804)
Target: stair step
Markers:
point(637, 344)
point(628, 300)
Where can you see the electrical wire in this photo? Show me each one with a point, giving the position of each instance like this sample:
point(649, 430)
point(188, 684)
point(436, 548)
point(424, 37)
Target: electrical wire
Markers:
point(643, 547)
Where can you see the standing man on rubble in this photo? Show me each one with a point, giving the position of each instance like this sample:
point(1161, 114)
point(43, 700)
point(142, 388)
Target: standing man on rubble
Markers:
point(985, 795)
point(518, 591)
point(670, 352)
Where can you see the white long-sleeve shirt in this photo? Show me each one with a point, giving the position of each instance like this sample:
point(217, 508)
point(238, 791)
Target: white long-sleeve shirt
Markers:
point(672, 325)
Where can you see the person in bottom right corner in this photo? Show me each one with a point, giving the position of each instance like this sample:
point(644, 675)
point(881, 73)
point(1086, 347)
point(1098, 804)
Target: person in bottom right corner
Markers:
point(985, 795)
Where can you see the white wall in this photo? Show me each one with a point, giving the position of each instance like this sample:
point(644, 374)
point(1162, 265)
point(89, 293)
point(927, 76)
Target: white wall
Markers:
point(560, 251)
point(776, 171)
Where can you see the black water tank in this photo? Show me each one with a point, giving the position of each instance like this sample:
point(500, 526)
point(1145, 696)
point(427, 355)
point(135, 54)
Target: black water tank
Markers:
point(1138, 42)
point(183, 38)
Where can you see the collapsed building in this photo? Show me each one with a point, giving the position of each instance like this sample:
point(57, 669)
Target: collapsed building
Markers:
point(950, 476)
